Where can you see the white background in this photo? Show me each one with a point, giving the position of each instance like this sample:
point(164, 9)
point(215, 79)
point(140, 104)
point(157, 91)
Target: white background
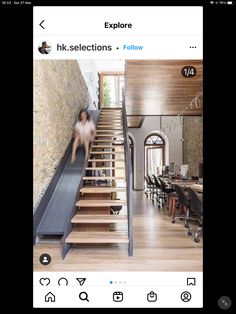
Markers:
point(165, 32)
point(146, 20)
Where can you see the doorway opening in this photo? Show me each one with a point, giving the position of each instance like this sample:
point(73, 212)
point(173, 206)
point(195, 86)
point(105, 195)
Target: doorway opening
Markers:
point(154, 150)
point(111, 85)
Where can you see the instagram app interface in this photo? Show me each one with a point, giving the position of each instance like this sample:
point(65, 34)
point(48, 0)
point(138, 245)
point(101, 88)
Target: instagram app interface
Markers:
point(118, 161)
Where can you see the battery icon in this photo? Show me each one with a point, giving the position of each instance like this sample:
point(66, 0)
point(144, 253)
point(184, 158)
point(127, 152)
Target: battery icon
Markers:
point(229, 2)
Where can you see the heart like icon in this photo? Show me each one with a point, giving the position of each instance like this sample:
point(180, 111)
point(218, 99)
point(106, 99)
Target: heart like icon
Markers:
point(44, 281)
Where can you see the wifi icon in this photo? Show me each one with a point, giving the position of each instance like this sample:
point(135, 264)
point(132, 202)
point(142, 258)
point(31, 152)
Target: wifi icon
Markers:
point(81, 281)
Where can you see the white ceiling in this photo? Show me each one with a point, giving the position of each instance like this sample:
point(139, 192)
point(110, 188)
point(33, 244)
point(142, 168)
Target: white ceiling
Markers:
point(110, 65)
point(117, 65)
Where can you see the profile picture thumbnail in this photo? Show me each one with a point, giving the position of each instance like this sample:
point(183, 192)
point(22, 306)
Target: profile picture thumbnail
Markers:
point(44, 48)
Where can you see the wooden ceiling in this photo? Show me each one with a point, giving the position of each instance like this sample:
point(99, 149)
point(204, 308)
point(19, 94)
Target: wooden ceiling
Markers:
point(157, 87)
point(135, 121)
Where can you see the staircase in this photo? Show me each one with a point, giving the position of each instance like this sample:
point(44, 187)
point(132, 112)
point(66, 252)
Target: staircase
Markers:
point(95, 220)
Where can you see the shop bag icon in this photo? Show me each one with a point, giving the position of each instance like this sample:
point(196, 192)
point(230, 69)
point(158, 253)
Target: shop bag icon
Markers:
point(151, 296)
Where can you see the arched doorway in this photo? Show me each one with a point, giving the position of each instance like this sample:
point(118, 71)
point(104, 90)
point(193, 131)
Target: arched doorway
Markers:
point(154, 154)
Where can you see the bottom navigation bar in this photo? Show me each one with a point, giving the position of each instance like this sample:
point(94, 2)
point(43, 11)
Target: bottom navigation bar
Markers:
point(118, 289)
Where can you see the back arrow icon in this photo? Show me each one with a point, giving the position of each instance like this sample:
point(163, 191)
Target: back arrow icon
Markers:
point(41, 24)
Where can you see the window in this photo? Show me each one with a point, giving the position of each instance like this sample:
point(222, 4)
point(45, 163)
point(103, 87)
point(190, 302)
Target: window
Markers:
point(154, 140)
point(154, 147)
point(111, 86)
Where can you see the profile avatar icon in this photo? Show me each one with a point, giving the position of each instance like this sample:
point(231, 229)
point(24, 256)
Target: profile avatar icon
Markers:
point(45, 259)
point(44, 48)
point(185, 296)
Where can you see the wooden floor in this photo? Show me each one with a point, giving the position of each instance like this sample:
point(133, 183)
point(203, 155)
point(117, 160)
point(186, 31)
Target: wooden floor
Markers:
point(159, 245)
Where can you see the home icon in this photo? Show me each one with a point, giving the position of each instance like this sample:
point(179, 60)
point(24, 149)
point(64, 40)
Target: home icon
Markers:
point(50, 297)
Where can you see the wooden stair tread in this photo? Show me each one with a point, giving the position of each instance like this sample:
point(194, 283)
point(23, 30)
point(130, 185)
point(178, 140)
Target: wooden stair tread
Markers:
point(99, 219)
point(103, 178)
point(101, 189)
point(107, 135)
point(112, 108)
point(105, 153)
point(111, 114)
point(100, 203)
point(107, 141)
point(109, 120)
point(110, 117)
point(108, 125)
point(97, 237)
point(116, 112)
point(106, 160)
point(104, 168)
point(109, 130)
point(107, 146)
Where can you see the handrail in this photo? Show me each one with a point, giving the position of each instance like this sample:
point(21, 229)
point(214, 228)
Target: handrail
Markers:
point(128, 175)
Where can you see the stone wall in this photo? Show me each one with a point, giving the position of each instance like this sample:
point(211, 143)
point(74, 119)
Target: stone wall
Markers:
point(59, 94)
point(193, 143)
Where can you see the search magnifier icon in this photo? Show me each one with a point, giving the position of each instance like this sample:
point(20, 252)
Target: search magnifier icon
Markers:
point(83, 296)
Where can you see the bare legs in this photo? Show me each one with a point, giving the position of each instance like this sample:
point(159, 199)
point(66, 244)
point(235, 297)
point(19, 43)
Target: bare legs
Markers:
point(74, 148)
point(76, 145)
point(86, 146)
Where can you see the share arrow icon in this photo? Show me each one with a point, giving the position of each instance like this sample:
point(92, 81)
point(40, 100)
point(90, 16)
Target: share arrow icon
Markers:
point(81, 281)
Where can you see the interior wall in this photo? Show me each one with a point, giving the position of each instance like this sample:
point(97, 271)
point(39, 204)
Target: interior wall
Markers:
point(90, 74)
point(173, 145)
point(59, 94)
